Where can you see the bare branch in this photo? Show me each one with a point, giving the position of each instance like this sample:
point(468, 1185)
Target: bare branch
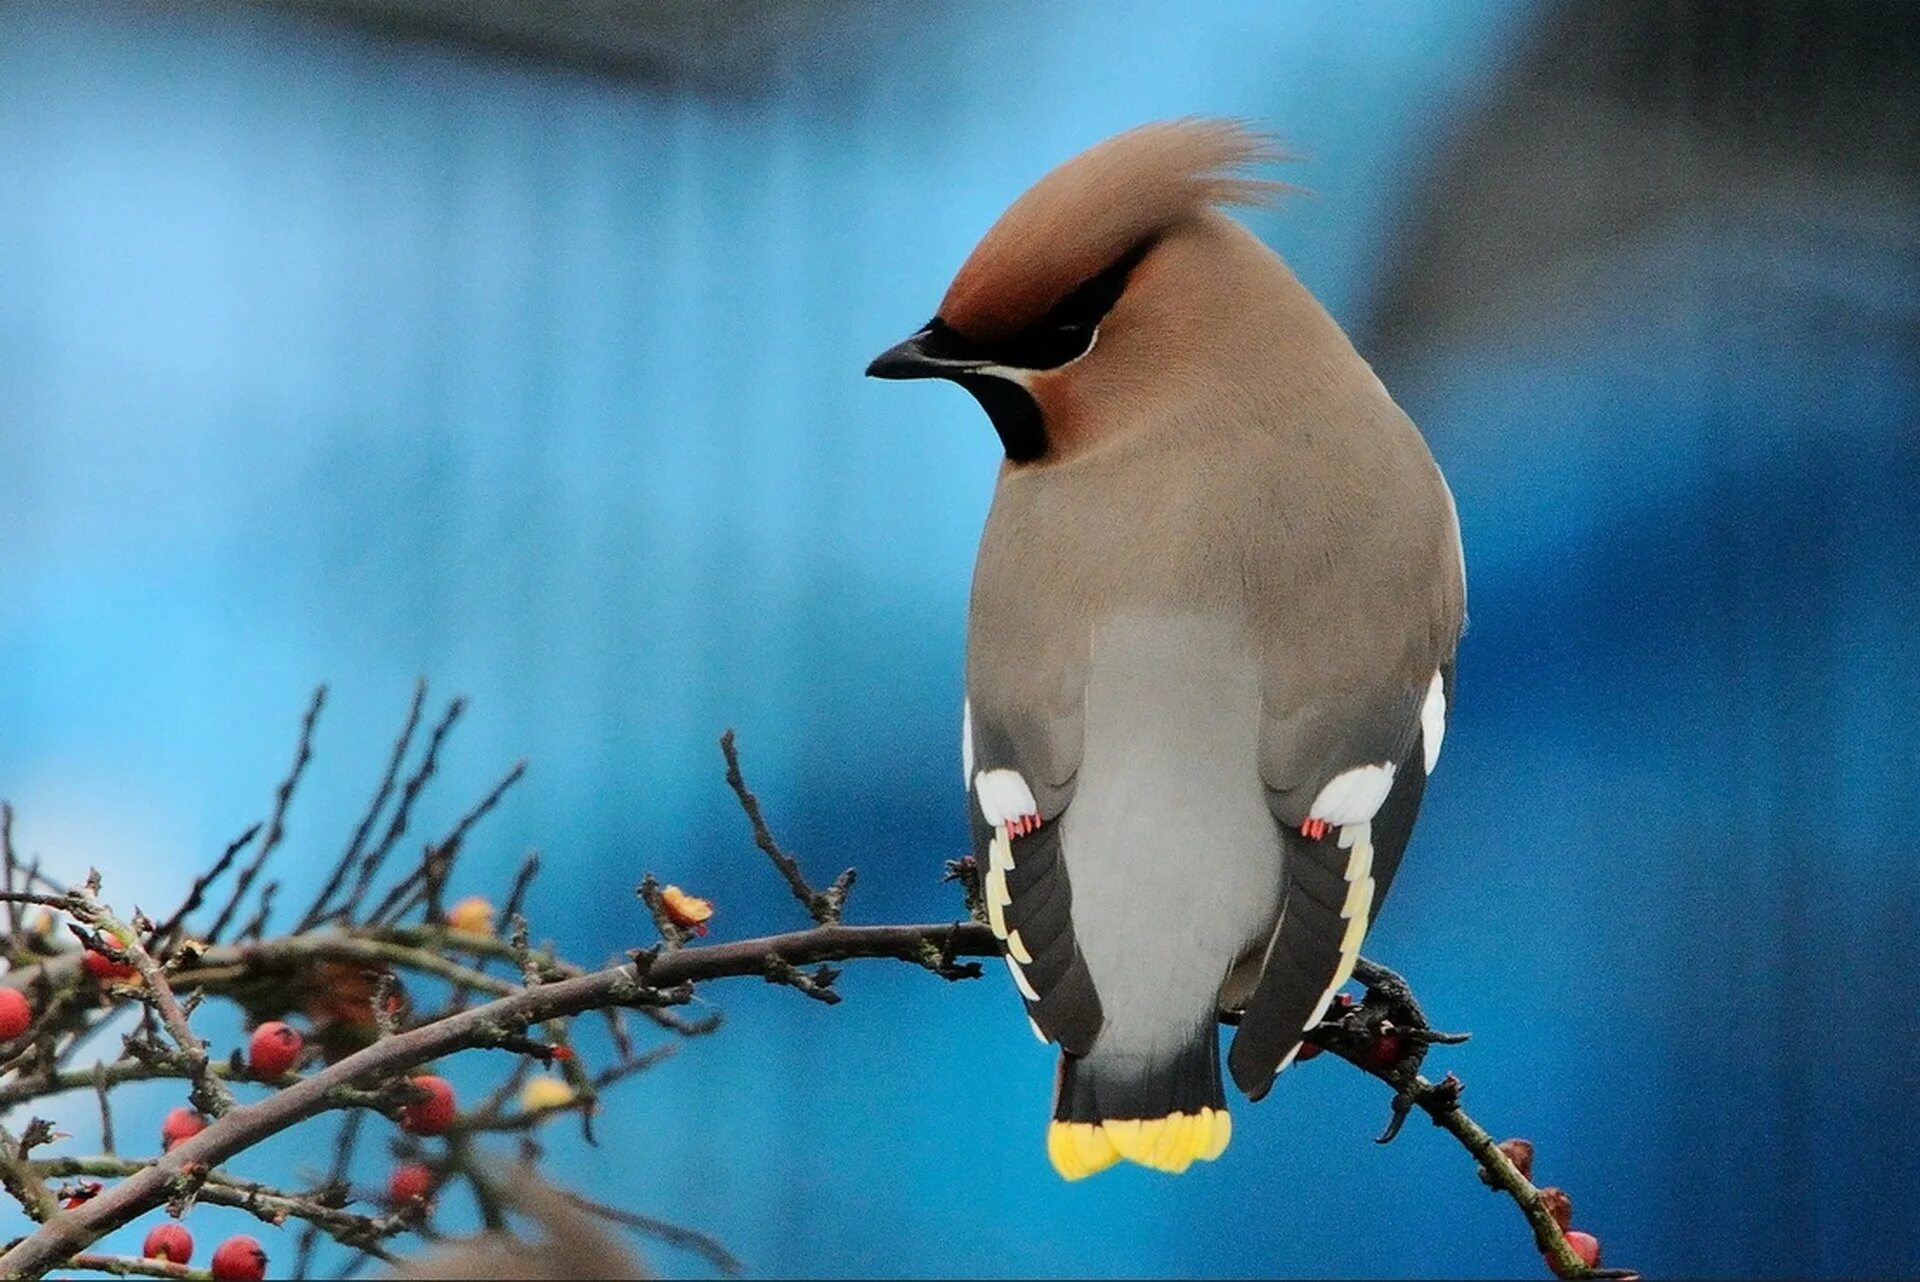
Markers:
point(824, 906)
point(276, 826)
point(317, 911)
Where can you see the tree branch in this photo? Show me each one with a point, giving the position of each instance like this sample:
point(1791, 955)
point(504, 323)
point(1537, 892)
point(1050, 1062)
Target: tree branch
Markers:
point(664, 978)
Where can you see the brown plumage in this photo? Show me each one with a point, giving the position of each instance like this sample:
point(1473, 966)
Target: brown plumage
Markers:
point(1211, 638)
point(1095, 207)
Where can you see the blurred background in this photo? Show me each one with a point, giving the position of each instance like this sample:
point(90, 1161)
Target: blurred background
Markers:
point(520, 346)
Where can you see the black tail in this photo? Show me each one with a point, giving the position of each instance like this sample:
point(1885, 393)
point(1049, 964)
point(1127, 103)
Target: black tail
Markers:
point(1162, 1112)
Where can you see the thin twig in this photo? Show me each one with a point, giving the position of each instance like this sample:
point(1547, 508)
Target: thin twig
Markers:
point(198, 894)
point(317, 911)
point(824, 906)
point(276, 826)
point(437, 862)
point(375, 859)
point(344, 1144)
point(660, 1230)
point(522, 882)
point(100, 1085)
point(6, 853)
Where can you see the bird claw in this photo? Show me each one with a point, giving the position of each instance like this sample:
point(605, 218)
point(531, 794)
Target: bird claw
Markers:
point(1021, 825)
point(1313, 829)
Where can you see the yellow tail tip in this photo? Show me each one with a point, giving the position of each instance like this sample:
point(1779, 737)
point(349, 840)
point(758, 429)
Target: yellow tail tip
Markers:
point(1171, 1143)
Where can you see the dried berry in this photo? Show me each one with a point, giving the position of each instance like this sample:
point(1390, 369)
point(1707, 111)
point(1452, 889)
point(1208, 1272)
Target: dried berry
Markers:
point(1558, 1205)
point(1520, 1153)
point(686, 910)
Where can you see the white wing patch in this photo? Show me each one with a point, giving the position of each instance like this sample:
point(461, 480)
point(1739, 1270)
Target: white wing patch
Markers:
point(1353, 796)
point(1433, 720)
point(966, 742)
point(1004, 796)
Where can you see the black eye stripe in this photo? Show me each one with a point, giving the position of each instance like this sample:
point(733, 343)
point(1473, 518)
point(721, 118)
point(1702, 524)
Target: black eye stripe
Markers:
point(1063, 334)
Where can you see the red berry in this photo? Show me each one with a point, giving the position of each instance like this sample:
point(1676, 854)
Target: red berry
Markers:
point(435, 1113)
point(274, 1049)
point(239, 1259)
point(181, 1125)
point(410, 1182)
point(168, 1242)
point(16, 1013)
point(1382, 1053)
point(104, 969)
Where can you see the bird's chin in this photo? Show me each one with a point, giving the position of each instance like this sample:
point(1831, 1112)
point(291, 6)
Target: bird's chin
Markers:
point(1013, 411)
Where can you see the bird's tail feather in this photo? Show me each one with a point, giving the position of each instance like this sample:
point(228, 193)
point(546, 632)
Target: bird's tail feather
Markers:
point(1161, 1112)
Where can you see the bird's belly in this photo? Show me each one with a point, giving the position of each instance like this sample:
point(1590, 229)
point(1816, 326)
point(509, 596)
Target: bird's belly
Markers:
point(1171, 851)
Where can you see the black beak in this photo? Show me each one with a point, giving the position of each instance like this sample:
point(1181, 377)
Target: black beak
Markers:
point(916, 359)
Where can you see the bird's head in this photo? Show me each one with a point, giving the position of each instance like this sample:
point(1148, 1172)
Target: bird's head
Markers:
point(1100, 280)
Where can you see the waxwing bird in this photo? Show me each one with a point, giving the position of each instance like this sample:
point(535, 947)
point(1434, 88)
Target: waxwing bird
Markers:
point(1210, 647)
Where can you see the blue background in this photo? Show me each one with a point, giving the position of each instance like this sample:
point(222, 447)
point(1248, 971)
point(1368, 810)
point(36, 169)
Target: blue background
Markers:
point(326, 356)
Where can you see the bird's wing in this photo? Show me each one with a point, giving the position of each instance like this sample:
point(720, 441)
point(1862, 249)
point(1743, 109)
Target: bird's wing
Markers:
point(1020, 767)
point(1344, 776)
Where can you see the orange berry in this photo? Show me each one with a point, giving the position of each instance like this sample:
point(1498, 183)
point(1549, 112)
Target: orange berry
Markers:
point(473, 914)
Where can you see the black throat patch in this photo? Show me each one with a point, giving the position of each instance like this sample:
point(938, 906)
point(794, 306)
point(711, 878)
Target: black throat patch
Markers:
point(1066, 333)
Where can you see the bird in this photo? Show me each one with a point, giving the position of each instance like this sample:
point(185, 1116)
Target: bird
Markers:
point(1211, 635)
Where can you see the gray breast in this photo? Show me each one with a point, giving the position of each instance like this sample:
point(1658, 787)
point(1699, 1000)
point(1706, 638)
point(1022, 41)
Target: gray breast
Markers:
point(1173, 856)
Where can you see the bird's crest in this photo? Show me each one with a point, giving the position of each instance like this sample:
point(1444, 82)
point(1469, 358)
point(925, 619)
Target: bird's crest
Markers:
point(1089, 211)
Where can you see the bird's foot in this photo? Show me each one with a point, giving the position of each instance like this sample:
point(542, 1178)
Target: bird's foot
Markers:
point(1314, 829)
